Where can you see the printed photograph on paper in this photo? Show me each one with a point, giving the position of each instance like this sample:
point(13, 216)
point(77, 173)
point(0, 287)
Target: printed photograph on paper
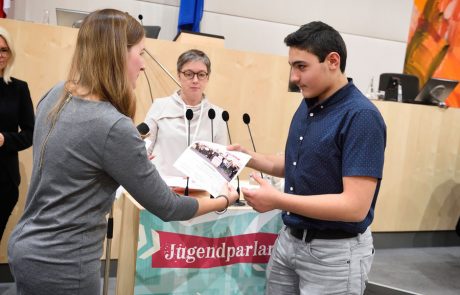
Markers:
point(211, 165)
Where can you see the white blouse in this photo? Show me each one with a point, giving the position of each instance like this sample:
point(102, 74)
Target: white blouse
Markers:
point(169, 130)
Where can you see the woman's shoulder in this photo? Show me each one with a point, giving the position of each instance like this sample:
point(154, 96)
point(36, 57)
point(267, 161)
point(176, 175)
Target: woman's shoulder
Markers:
point(165, 107)
point(163, 101)
point(17, 83)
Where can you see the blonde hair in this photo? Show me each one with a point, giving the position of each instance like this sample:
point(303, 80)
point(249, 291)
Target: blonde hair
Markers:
point(99, 63)
point(9, 66)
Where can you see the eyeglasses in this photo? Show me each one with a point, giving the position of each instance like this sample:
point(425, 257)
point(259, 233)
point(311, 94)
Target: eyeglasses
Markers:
point(189, 75)
point(4, 51)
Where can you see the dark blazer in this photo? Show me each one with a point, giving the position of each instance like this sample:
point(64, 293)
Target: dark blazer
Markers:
point(17, 126)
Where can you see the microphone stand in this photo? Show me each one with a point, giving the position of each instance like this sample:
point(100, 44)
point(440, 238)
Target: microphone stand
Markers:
point(108, 247)
point(189, 116)
point(246, 120)
point(161, 66)
point(212, 115)
point(226, 117)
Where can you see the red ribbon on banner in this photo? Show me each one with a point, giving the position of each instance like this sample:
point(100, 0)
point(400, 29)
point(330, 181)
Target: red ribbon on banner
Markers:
point(187, 251)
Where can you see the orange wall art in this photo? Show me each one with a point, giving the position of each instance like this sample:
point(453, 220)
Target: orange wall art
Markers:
point(433, 49)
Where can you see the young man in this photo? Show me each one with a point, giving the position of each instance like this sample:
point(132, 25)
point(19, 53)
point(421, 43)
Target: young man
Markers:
point(332, 167)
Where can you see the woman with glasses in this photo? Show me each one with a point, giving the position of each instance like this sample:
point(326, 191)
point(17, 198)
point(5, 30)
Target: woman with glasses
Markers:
point(16, 128)
point(166, 117)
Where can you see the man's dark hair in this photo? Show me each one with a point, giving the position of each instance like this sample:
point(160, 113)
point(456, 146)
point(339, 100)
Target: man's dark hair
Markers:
point(319, 39)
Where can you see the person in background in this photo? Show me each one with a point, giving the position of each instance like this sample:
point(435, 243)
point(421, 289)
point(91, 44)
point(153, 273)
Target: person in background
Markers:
point(86, 145)
point(16, 128)
point(332, 166)
point(166, 117)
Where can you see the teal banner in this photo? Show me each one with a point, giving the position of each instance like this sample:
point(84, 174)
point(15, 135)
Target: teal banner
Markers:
point(210, 254)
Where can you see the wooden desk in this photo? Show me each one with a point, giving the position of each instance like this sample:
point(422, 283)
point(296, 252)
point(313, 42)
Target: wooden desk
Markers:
point(420, 189)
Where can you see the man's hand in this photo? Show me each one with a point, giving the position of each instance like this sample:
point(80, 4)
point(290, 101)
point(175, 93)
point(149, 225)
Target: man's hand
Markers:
point(264, 198)
point(2, 139)
point(237, 147)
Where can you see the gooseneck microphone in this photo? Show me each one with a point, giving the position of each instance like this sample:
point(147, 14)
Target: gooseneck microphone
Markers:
point(162, 67)
point(212, 115)
point(141, 17)
point(189, 116)
point(226, 117)
point(247, 120)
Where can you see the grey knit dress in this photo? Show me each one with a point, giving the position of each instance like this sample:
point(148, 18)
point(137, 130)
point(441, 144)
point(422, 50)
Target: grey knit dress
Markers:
point(77, 166)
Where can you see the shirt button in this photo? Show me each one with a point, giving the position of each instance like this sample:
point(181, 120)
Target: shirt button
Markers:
point(288, 213)
point(301, 138)
point(311, 114)
point(322, 107)
point(294, 163)
point(291, 188)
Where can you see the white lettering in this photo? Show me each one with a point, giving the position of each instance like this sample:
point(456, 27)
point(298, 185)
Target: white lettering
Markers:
point(169, 255)
point(200, 252)
point(262, 250)
point(239, 251)
point(190, 255)
point(221, 251)
point(230, 253)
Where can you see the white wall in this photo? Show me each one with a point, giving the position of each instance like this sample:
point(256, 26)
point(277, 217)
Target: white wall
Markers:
point(375, 31)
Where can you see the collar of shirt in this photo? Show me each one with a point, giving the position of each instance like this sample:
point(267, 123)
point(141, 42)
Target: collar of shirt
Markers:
point(176, 97)
point(313, 103)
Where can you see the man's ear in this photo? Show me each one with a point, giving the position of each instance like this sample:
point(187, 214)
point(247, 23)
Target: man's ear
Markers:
point(333, 60)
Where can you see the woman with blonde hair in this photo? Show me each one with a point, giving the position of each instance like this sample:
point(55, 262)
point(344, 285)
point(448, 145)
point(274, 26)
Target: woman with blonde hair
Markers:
point(86, 145)
point(16, 128)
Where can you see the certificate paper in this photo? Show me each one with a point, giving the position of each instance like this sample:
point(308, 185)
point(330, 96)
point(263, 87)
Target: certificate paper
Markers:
point(210, 165)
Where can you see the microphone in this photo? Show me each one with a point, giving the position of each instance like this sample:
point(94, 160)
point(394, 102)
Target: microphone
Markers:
point(212, 115)
point(143, 129)
point(141, 17)
point(246, 120)
point(226, 117)
point(189, 116)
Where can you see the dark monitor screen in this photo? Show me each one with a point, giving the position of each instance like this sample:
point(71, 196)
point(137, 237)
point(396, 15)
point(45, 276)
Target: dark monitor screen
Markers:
point(389, 83)
point(69, 18)
point(152, 31)
point(436, 91)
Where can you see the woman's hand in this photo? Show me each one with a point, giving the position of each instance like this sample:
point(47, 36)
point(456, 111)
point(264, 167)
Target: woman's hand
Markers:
point(2, 139)
point(231, 194)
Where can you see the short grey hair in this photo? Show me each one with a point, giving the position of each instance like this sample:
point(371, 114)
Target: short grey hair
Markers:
point(193, 55)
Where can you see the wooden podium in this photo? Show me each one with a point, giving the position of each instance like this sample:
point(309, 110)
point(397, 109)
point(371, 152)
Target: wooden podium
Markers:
point(421, 180)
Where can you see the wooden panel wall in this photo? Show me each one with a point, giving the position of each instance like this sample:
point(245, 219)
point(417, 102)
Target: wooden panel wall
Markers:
point(421, 184)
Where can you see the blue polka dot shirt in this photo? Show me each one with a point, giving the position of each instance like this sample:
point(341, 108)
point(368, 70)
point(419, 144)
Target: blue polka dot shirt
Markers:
point(343, 136)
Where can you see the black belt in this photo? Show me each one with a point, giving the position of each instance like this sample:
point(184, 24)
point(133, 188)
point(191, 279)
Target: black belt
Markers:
point(329, 234)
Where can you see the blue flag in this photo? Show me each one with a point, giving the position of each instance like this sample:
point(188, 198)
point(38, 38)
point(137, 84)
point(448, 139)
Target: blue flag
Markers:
point(190, 14)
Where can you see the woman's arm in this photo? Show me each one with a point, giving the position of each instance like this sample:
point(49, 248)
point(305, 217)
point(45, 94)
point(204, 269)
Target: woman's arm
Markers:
point(18, 141)
point(125, 160)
